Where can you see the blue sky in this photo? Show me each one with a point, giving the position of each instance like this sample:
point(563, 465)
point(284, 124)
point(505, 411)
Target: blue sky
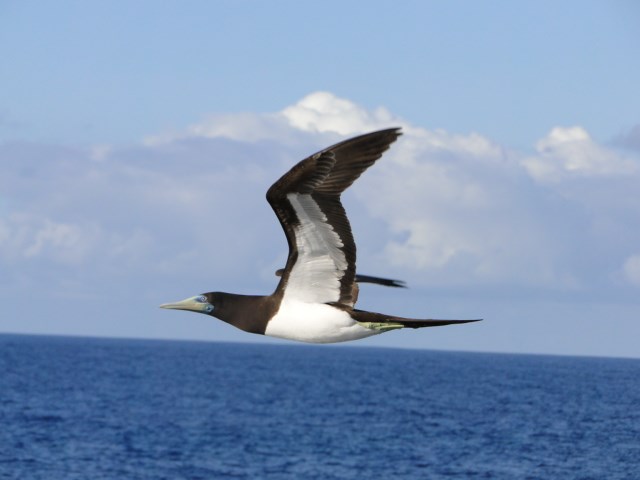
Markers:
point(110, 71)
point(133, 135)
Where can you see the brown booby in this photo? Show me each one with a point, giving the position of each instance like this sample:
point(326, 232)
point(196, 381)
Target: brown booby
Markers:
point(314, 300)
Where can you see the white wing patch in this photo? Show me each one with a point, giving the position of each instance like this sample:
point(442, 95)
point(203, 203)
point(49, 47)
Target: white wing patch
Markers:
point(315, 277)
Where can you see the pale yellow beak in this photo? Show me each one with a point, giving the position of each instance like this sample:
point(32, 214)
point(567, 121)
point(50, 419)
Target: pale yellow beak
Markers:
point(194, 304)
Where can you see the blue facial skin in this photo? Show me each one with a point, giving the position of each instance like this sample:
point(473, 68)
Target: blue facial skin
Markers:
point(202, 299)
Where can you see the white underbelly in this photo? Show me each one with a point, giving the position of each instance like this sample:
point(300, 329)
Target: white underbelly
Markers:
point(315, 323)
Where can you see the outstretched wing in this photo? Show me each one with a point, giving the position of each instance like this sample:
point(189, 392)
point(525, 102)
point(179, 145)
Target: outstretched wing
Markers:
point(322, 253)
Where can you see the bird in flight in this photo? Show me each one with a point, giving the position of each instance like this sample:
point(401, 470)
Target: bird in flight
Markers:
point(315, 299)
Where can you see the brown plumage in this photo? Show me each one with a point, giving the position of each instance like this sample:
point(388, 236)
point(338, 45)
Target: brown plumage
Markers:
point(324, 176)
point(318, 288)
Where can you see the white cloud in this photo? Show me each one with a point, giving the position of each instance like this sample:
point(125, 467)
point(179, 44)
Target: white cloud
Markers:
point(567, 152)
point(631, 269)
point(67, 242)
point(324, 112)
point(447, 208)
point(462, 212)
point(29, 237)
point(318, 112)
point(244, 127)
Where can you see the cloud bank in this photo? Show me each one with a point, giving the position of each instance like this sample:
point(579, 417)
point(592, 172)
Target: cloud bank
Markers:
point(441, 208)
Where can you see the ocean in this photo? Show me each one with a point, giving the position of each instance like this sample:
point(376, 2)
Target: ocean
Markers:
point(81, 408)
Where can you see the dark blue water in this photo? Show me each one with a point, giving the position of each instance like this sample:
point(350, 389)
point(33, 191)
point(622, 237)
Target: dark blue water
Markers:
point(117, 409)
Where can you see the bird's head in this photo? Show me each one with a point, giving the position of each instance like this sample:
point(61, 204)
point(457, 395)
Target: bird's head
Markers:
point(203, 303)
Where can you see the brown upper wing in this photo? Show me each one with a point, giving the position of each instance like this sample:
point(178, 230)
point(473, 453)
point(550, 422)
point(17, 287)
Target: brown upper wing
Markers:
point(322, 252)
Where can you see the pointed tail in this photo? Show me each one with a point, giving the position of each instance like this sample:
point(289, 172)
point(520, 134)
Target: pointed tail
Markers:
point(379, 318)
point(415, 323)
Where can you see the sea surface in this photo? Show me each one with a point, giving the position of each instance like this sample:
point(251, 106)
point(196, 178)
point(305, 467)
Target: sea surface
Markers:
point(78, 408)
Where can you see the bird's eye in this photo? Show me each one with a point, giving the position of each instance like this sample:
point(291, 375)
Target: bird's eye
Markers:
point(208, 308)
point(201, 299)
